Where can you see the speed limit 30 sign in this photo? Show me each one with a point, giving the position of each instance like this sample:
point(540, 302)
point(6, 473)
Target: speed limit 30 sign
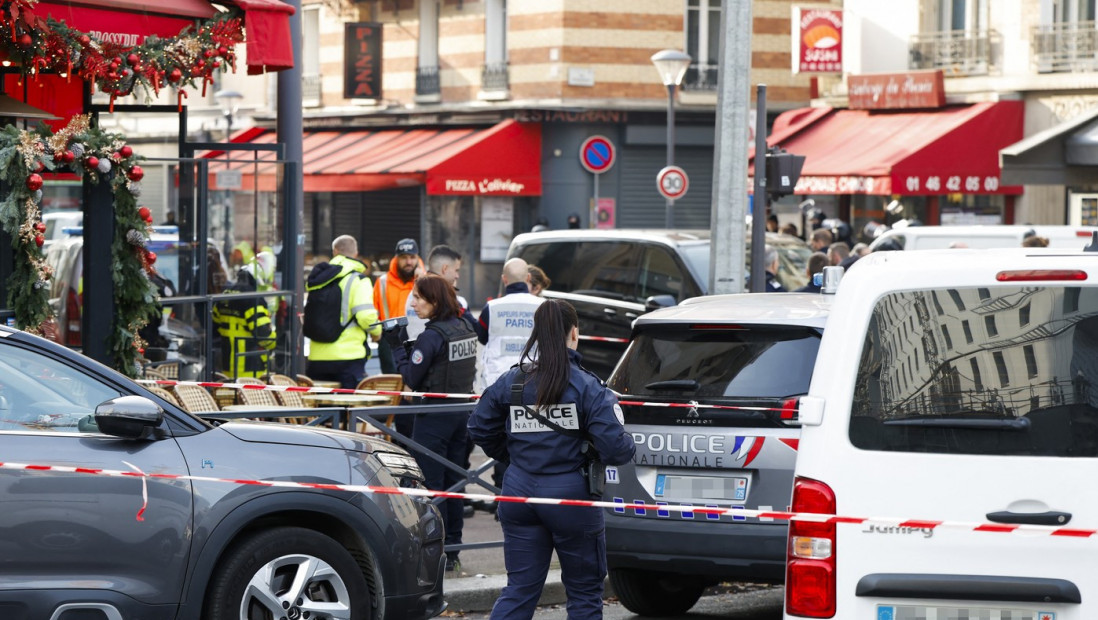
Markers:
point(672, 182)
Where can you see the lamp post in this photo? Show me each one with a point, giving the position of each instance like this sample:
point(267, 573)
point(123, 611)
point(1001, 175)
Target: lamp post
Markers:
point(228, 99)
point(671, 65)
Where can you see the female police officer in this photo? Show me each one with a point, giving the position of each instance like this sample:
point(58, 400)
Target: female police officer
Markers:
point(547, 463)
point(442, 359)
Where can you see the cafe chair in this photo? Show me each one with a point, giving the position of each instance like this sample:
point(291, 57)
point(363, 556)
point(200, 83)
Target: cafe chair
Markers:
point(195, 399)
point(384, 382)
point(302, 380)
point(163, 394)
point(288, 399)
point(262, 398)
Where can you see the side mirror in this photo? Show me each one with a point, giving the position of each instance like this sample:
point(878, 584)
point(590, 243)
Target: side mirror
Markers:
point(656, 302)
point(129, 417)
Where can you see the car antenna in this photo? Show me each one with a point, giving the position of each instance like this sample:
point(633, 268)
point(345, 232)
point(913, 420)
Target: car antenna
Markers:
point(1093, 245)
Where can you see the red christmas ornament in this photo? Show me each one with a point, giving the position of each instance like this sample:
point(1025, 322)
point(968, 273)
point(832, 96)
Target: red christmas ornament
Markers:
point(136, 173)
point(125, 151)
point(68, 157)
point(150, 257)
point(34, 182)
point(92, 162)
point(40, 227)
point(222, 50)
point(208, 53)
point(133, 59)
point(216, 64)
point(25, 40)
point(85, 40)
point(113, 66)
point(39, 166)
point(175, 75)
point(144, 213)
point(39, 240)
point(200, 63)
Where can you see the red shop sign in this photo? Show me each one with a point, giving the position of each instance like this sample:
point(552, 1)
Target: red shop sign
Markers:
point(894, 91)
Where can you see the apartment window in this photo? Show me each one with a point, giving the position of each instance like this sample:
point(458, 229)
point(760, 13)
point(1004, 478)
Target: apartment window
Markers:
point(956, 296)
point(989, 323)
point(495, 78)
point(937, 305)
point(1065, 39)
point(1031, 361)
point(703, 41)
point(427, 80)
point(984, 293)
point(1001, 368)
point(945, 335)
point(968, 331)
point(955, 37)
point(310, 56)
point(977, 381)
point(1071, 299)
point(961, 14)
point(1023, 315)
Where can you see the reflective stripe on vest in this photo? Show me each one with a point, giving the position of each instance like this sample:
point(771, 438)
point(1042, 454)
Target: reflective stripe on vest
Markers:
point(383, 311)
point(510, 322)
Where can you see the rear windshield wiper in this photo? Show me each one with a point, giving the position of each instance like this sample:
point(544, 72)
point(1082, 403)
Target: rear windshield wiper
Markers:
point(1010, 424)
point(674, 384)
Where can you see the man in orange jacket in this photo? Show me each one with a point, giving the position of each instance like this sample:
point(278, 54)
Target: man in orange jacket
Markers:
point(391, 293)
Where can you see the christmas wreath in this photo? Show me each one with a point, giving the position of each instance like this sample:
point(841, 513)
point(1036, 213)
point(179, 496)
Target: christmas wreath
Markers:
point(100, 157)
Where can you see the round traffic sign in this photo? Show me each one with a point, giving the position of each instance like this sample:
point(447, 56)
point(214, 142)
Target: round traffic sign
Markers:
point(597, 154)
point(672, 182)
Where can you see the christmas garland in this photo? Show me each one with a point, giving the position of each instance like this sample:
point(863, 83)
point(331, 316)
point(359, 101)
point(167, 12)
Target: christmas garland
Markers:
point(99, 157)
point(44, 44)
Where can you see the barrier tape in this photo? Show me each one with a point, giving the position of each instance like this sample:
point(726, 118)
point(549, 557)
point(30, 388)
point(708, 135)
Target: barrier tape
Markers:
point(604, 339)
point(738, 512)
point(321, 390)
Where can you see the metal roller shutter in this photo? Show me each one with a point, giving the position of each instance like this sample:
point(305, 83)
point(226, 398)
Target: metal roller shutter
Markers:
point(377, 219)
point(640, 204)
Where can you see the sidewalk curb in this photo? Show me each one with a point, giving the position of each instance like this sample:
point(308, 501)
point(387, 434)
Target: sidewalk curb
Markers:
point(479, 592)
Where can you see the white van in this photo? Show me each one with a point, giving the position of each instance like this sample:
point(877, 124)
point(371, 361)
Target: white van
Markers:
point(953, 404)
point(1001, 236)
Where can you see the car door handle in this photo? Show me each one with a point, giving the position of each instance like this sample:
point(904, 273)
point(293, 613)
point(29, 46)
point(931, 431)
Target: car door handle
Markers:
point(610, 311)
point(1051, 517)
point(630, 315)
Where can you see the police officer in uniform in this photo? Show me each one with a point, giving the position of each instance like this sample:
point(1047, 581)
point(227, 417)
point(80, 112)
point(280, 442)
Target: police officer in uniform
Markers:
point(547, 463)
point(442, 359)
point(245, 328)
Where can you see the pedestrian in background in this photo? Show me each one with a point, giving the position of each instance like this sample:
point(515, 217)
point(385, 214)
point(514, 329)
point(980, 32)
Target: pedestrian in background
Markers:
point(443, 359)
point(548, 463)
point(773, 285)
point(506, 322)
point(344, 359)
point(538, 280)
point(821, 240)
point(443, 261)
point(816, 262)
point(391, 293)
point(1035, 241)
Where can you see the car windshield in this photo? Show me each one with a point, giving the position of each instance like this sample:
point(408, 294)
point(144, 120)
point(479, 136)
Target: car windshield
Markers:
point(996, 370)
point(698, 362)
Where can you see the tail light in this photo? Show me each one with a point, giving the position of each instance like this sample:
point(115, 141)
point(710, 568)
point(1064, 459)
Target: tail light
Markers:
point(71, 328)
point(810, 563)
point(789, 410)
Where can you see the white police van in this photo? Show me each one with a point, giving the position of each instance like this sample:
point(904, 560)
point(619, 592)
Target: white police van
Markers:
point(955, 395)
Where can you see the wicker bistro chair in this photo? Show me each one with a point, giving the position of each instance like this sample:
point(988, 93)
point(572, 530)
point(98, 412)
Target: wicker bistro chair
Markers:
point(288, 399)
point(195, 399)
point(384, 382)
point(164, 394)
point(263, 398)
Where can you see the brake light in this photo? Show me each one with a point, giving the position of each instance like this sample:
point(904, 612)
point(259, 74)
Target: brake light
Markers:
point(1033, 275)
point(71, 337)
point(789, 409)
point(810, 559)
point(715, 326)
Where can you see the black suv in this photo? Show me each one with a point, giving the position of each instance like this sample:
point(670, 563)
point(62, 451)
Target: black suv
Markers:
point(90, 547)
point(754, 351)
point(614, 276)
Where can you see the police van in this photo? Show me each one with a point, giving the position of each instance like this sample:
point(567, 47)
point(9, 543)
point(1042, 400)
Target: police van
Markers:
point(734, 367)
point(954, 404)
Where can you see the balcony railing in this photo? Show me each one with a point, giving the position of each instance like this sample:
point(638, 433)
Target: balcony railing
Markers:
point(700, 77)
point(495, 77)
point(1065, 47)
point(427, 82)
point(956, 52)
point(310, 90)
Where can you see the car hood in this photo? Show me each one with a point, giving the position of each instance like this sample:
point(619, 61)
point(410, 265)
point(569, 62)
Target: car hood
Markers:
point(298, 435)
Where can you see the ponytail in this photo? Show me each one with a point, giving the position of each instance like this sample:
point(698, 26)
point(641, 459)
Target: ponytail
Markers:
point(547, 350)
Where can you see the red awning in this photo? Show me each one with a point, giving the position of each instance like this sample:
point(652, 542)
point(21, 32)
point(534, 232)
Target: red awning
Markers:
point(951, 150)
point(504, 160)
point(128, 22)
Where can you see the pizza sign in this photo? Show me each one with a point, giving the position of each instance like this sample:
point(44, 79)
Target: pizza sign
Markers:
point(817, 40)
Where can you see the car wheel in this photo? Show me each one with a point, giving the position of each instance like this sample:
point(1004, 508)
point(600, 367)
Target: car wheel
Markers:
point(288, 572)
point(655, 594)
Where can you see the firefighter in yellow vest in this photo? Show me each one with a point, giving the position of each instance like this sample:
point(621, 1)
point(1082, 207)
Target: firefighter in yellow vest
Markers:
point(247, 335)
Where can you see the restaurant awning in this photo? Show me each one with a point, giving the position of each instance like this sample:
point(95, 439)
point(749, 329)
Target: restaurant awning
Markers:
point(950, 150)
point(1065, 154)
point(129, 22)
point(503, 160)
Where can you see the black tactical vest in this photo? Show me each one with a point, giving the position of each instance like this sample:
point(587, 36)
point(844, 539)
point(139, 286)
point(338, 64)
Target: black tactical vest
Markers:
point(456, 365)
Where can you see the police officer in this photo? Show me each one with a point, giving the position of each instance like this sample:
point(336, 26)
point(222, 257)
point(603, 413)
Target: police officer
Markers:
point(245, 329)
point(442, 359)
point(547, 463)
point(505, 323)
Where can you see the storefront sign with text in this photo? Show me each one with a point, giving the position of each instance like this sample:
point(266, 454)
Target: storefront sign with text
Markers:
point(817, 40)
point(896, 91)
point(362, 60)
point(481, 187)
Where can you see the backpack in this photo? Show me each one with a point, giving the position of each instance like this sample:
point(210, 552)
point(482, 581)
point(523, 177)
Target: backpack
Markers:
point(325, 304)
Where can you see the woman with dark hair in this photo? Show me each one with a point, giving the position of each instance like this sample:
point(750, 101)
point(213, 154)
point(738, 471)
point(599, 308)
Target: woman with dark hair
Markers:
point(548, 460)
point(442, 359)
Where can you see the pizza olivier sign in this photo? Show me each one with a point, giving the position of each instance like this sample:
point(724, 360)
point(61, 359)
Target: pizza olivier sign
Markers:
point(817, 40)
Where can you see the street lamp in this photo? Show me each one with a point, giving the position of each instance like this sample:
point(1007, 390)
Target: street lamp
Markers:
point(228, 99)
point(671, 65)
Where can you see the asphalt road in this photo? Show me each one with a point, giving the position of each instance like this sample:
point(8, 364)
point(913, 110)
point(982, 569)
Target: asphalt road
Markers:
point(756, 603)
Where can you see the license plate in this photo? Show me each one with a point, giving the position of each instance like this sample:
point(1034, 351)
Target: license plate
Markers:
point(924, 612)
point(684, 488)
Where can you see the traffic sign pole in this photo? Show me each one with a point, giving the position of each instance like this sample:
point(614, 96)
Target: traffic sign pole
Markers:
point(597, 155)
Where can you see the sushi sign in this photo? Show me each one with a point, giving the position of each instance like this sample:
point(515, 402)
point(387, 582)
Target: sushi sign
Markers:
point(817, 40)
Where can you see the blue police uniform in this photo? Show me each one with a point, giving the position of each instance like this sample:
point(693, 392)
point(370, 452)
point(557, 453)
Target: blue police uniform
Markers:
point(546, 463)
point(442, 360)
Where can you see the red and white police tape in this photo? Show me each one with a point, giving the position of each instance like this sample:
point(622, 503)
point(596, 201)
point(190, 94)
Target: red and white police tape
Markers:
point(787, 413)
point(738, 512)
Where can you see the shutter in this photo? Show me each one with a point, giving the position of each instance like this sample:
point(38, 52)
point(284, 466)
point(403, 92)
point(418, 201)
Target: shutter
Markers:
point(641, 206)
point(377, 219)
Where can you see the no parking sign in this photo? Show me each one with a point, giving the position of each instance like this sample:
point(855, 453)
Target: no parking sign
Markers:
point(597, 154)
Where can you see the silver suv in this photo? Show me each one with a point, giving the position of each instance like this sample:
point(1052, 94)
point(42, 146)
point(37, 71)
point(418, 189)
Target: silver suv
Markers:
point(753, 355)
point(89, 546)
